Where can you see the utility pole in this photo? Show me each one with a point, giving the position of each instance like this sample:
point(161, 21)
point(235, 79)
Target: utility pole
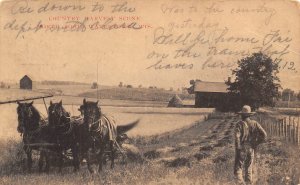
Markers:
point(97, 82)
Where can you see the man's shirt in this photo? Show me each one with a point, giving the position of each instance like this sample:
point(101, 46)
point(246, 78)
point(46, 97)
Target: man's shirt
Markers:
point(249, 132)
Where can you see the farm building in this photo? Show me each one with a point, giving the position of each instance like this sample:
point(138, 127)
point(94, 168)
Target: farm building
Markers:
point(209, 94)
point(26, 82)
point(175, 101)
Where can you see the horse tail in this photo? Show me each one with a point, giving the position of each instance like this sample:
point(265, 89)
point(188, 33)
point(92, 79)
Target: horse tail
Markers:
point(121, 129)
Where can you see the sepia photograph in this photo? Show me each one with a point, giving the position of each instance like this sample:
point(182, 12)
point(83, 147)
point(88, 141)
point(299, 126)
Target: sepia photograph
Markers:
point(140, 92)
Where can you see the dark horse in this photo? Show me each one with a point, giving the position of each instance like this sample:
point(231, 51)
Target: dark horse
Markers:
point(35, 134)
point(102, 133)
point(64, 133)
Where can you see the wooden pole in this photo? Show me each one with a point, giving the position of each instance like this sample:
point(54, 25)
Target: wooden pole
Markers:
point(285, 128)
point(282, 127)
point(97, 83)
point(294, 131)
point(297, 128)
point(272, 127)
point(289, 129)
point(276, 127)
point(279, 129)
point(45, 106)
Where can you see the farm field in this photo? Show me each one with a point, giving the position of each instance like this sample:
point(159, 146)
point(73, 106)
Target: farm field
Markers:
point(153, 120)
point(200, 154)
point(176, 146)
point(108, 95)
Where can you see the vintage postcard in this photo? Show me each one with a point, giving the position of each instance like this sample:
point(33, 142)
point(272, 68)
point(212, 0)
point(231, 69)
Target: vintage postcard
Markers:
point(149, 92)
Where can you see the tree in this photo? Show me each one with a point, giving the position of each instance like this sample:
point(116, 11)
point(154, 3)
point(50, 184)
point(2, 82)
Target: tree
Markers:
point(121, 84)
point(256, 81)
point(288, 95)
point(2, 85)
point(94, 85)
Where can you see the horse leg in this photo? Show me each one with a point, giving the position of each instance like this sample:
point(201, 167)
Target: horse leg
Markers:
point(47, 168)
point(41, 159)
point(100, 157)
point(88, 160)
point(75, 157)
point(112, 155)
point(29, 159)
point(61, 161)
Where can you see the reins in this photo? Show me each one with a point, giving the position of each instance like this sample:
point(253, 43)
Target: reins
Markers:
point(98, 129)
point(69, 130)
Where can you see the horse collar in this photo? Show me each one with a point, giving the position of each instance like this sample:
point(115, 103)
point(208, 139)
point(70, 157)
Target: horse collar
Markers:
point(37, 130)
point(69, 130)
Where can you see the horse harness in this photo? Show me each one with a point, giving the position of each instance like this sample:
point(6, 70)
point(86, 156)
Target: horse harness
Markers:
point(70, 127)
point(96, 134)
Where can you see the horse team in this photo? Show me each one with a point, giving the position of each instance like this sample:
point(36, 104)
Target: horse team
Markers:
point(88, 137)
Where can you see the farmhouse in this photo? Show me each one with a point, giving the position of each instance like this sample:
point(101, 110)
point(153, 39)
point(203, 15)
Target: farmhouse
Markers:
point(209, 94)
point(26, 82)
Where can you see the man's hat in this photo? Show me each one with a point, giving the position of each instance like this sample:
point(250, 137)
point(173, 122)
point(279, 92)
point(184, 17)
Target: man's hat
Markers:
point(246, 110)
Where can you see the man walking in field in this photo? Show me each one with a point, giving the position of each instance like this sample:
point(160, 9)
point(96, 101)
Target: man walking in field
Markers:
point(248, 135)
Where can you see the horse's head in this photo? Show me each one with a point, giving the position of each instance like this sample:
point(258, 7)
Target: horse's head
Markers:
point(91, 113)
point(57, 114)
point(25, 116)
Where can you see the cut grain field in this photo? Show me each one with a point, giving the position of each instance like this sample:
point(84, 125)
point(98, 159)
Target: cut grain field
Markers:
point(200, 154)
point(153, 120)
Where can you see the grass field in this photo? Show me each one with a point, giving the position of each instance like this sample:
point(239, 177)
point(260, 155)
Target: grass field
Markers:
point(139, 94)
point(111, 92)
point(201, 154)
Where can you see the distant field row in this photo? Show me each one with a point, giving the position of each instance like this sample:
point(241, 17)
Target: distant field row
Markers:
point(115, 93)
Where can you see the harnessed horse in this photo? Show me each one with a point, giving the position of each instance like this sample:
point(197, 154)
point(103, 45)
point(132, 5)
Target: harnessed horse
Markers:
point(102, 132)
point(30, 126)
point(64, 132)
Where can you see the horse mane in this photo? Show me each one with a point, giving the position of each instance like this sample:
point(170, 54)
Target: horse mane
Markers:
point(36, 114)
point(64, 113)
point(98, 111)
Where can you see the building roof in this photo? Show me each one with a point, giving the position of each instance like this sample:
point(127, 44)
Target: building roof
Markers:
point(26, 76)
point(201, 86)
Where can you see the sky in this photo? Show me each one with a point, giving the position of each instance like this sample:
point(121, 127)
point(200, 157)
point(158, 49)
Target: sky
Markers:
point(176, 41)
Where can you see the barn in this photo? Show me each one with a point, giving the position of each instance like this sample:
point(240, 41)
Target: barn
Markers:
point(209, 94)
point(26, 82)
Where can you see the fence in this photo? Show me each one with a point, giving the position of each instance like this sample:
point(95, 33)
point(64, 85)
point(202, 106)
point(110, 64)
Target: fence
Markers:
point(286, 128)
